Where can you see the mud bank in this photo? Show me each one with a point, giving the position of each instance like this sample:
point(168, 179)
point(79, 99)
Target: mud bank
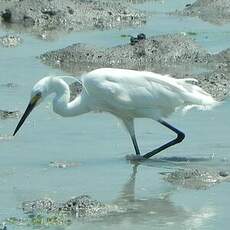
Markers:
point(196, 178)
point(174, 54)
point(43, 18)
point(217, 12)
point(150, 54)
point(48, 213)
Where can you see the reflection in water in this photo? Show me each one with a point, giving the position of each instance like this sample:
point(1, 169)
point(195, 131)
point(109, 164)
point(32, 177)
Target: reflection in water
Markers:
point(128, 209)
point(192, 172)
point(186, 162)
point(160, 211)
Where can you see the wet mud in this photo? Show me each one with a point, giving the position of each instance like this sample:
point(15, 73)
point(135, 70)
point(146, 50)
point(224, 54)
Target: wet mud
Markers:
point(174, 54)
point(45, 18)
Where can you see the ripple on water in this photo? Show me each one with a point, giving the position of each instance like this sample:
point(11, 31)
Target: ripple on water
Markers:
point(63, 164)
point(5, 137)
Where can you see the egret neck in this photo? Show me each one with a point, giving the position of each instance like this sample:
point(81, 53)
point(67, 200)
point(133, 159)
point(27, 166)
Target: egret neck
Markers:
point(61, 102)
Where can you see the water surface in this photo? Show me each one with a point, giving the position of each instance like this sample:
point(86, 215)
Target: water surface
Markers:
point(99, 144)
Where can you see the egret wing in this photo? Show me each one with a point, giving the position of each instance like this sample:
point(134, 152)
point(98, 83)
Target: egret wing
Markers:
point(141, 93)
point(131, 91)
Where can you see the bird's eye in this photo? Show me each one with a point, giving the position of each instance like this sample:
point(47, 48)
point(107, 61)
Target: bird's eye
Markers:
point(38, 94)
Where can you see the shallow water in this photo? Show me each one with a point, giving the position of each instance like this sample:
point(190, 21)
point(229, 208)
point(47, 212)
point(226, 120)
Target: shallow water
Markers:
point(99, 144)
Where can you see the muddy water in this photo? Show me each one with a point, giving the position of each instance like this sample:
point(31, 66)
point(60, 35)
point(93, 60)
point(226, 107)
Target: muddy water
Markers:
point(98, 144)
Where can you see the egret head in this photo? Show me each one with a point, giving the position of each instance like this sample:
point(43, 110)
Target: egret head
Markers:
point(44, 87)
point(39, 92)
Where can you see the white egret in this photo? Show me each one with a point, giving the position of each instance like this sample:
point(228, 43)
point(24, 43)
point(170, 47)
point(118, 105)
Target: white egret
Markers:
point(127, 94)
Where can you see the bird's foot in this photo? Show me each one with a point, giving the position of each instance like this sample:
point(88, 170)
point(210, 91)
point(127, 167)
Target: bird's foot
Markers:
point(133, 158)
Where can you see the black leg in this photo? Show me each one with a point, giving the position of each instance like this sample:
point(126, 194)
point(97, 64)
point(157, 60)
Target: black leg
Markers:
point(178, 139)
point(135, 145)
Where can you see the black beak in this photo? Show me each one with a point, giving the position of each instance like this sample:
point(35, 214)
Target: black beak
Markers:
point(29, 108)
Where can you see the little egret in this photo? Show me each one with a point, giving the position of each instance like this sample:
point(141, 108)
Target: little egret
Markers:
point(127, 94)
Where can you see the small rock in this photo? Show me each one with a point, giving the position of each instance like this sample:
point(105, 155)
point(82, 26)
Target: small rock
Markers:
point(6, 16)
point(9, 114)
point(28, 21)
point(134, 40)
point(63, 164)
point(141, 36)
point(10, 41)
point(223, 173)
point(50, 12)
point(187, 5)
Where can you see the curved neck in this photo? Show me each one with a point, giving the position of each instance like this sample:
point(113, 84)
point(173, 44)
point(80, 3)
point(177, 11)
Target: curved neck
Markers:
point(61, 102)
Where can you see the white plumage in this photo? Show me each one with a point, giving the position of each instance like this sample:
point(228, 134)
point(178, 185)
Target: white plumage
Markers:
point(142, 94)
point(127, 94)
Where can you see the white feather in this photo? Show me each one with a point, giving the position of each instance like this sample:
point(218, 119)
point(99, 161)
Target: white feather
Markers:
point(74, 79)
point(143, 94)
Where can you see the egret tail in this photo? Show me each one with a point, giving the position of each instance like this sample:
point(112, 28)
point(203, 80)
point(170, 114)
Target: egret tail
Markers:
point(195, 97)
